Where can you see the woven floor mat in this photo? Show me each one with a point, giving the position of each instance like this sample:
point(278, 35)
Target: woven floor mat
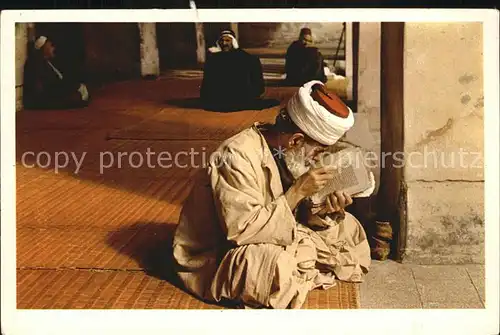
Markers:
point(101, 114)
point(51, 200)
point(81, 289)
point(150, 158)
point(98, 239)
point(77, 289)
point(177, 124)
point(79, 156)
point(139, 246)
point(115, 105)
point(341, 296)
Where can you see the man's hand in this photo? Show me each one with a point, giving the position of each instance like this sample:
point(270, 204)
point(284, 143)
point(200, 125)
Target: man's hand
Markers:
point(308, 184)
point(336, 202)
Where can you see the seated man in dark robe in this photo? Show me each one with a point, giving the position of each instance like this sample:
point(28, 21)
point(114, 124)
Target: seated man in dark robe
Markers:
point(45, 86)
point(304, 62)
point(232, 78)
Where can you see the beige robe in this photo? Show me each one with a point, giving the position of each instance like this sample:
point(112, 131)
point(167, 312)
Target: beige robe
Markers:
point(238, 238)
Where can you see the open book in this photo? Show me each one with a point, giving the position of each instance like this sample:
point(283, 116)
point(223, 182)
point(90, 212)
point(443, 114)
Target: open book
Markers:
point(351, 174)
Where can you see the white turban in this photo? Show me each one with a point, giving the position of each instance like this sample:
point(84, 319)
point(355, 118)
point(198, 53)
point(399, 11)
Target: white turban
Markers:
point(315, 120)
point(40, 42)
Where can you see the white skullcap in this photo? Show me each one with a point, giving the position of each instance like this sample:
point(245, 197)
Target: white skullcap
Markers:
point(315, 120)
point(40, 42)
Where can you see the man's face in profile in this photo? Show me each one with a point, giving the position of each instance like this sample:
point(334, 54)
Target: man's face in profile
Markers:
point(299, 157)
point(307, 40)
point(49, 50)
point(226, 43)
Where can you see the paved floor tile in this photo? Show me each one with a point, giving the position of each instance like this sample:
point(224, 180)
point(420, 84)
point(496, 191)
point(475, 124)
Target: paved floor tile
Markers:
point(445, 286)
point(476, 273)
point(389, 285)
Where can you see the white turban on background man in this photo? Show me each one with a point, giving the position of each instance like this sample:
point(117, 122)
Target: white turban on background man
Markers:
point(319, 114)
point(40, 42)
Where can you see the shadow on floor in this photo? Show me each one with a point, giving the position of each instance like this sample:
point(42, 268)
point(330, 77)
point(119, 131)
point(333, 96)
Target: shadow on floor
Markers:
point(196, 103)
point(150, 244)
point(189, 103)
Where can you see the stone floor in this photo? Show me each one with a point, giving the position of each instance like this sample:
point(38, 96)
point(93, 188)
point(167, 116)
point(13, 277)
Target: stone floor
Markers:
point(394, 285)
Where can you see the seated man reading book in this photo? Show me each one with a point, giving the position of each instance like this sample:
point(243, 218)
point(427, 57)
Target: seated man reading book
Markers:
point(248, 232)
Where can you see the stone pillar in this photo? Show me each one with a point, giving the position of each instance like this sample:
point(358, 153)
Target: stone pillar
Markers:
point(234, 27)
point(349, 60)
point(150, 59)
point(391, 220)
point(366, 130)
point(200, 43)
point(24, 35)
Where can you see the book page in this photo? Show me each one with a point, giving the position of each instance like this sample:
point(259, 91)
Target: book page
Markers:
point(351, 175)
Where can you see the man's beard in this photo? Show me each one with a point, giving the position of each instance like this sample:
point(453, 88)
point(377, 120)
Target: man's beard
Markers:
point(297, 162)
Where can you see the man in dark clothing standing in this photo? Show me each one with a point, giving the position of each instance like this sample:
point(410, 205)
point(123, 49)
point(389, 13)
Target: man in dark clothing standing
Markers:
point(45, 86)
point(232, 78)
point(303, 61)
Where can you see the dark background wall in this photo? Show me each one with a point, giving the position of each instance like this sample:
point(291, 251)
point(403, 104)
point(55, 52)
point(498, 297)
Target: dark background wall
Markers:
point(176, 45)
point(257, 35)
point(112, 51)
point(96, 52)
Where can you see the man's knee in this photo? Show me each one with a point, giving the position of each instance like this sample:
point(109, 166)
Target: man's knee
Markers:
point(246, 273)
point(306, 256)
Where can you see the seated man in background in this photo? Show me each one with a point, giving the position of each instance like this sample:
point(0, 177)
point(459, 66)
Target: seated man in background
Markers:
point(304, 62)
point(246, 232)
point(45, 86)
point(232, 78)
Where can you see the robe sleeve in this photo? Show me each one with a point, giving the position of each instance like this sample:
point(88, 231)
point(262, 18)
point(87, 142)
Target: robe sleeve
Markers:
point(246, 217)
